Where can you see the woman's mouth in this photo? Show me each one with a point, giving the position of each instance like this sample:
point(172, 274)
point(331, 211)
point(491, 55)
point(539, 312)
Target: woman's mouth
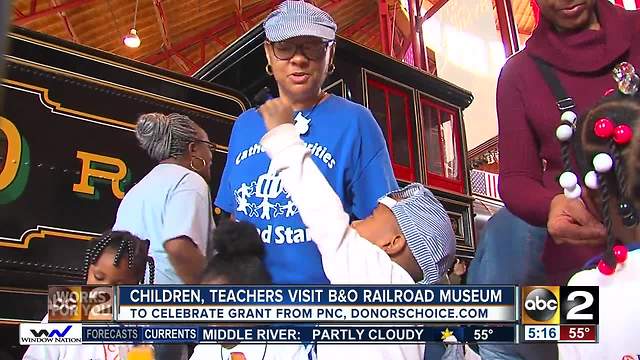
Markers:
point(573, 10)
point(299, 77)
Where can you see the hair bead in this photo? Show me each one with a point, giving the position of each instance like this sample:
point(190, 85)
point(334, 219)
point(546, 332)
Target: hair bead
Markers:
point(605, 268)
point(603, 128)
point(620, 252)
point(568, 180)
point(569, 116)
point(573, 193)
point(591, 180)
point(602, 162)
point(622, 134)
point(628, 214)
point(564, 132)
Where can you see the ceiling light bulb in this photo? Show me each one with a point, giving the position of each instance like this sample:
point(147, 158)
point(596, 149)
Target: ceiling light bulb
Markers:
point(131, 39)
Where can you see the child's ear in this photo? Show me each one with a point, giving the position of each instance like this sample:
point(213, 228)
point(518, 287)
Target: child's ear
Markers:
point(395, 246)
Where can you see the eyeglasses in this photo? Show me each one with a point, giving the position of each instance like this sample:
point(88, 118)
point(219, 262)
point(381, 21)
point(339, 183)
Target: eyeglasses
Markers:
point(285, 50)
point(212, 146)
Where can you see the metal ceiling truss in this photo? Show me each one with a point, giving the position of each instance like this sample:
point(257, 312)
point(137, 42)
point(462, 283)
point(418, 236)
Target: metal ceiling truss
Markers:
point(360, 24)
point(243, 19)
point(240, 23)
point(67, 24)
point(22, 19)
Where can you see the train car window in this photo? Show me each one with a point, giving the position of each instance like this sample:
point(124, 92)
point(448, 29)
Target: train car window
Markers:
point(391, 106)
point(432, 139)
point(398, 110)
point(441, 135)
point(451, 162)
point(337, 88)
point(378, 106)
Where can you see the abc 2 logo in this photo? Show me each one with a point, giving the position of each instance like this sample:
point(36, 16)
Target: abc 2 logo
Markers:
point(80, 303)
point(553, 305)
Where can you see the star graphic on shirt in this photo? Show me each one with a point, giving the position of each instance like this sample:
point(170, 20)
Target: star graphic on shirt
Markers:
point(278, 210)
point(446, 333)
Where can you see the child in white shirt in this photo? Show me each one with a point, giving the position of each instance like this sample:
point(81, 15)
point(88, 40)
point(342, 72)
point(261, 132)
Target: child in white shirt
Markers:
point(407, 239)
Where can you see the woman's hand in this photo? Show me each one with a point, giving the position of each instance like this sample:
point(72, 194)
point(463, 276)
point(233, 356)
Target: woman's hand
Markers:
point(460, 267)
point(276, 112)
point(570, 222)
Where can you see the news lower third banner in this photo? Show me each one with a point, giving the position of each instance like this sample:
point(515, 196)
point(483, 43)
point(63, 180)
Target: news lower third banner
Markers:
point(75, 333)
point(285, 304)
point(326, 304)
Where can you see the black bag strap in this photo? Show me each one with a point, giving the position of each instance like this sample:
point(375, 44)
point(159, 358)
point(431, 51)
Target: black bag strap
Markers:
point(563, 100)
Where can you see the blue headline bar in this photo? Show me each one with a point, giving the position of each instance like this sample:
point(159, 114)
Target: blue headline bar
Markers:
point(316, 295)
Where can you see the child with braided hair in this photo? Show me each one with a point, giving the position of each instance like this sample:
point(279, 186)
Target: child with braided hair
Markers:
point(110, 269)
point(115, 258)
point(608, 155)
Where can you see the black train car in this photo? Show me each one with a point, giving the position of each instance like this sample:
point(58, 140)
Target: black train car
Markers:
point(420, 115)
point(68, 154)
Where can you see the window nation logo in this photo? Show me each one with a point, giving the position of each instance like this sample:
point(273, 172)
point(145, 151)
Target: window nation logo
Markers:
point(34, 334)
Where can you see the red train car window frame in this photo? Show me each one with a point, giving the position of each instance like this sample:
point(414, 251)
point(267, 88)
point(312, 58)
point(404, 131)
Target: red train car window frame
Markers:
point(402, 172)
point(434, 179)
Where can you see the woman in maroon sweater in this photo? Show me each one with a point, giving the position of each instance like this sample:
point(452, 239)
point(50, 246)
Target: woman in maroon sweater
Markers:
point(582, 40)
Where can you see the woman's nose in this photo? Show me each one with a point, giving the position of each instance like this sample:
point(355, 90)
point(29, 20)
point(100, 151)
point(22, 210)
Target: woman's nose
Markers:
point(299, 58)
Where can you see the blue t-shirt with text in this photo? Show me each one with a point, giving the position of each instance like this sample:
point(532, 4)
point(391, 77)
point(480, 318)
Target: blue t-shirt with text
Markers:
point(346, 144)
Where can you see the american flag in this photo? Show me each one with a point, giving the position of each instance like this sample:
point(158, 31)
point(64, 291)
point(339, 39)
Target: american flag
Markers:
point(627, 4)
point(485, 184)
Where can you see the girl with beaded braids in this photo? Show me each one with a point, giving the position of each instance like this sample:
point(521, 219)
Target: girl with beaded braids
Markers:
point(171, 205)
point(608, 155)
point(115, 258)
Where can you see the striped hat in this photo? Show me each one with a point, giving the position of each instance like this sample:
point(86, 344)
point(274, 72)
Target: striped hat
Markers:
point(426, 228)
point(299, 18)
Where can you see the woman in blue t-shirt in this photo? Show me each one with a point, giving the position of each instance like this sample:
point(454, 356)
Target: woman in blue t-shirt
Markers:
point(343, 139)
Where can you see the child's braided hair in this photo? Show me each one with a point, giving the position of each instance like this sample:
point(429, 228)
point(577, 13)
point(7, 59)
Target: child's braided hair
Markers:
point(121, 242)
point(608, 158)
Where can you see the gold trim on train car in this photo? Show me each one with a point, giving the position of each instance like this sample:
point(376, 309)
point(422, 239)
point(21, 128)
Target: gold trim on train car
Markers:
point(40, 232)
point(74, 75)
point(44, 92)
point(23, 291)
point(130, 68)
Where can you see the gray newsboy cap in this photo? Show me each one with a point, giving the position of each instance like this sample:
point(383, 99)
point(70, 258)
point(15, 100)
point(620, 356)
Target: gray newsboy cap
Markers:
point(426, 226)
point(299, 18)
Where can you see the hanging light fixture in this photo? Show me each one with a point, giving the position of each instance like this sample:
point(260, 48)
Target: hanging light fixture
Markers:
point(132, 39)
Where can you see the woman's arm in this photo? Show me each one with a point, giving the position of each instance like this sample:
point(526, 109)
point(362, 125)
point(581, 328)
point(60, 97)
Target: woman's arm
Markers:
point(520, 183)
point(187, 261)
point(372, 175)
point(188, 222)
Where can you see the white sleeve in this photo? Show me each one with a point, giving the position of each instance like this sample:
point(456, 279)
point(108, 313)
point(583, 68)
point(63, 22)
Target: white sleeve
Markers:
point(347, 258)
point(187, 214)
point(287, 352)
point(371, 352)
point(205, 352)
point(43, 352)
